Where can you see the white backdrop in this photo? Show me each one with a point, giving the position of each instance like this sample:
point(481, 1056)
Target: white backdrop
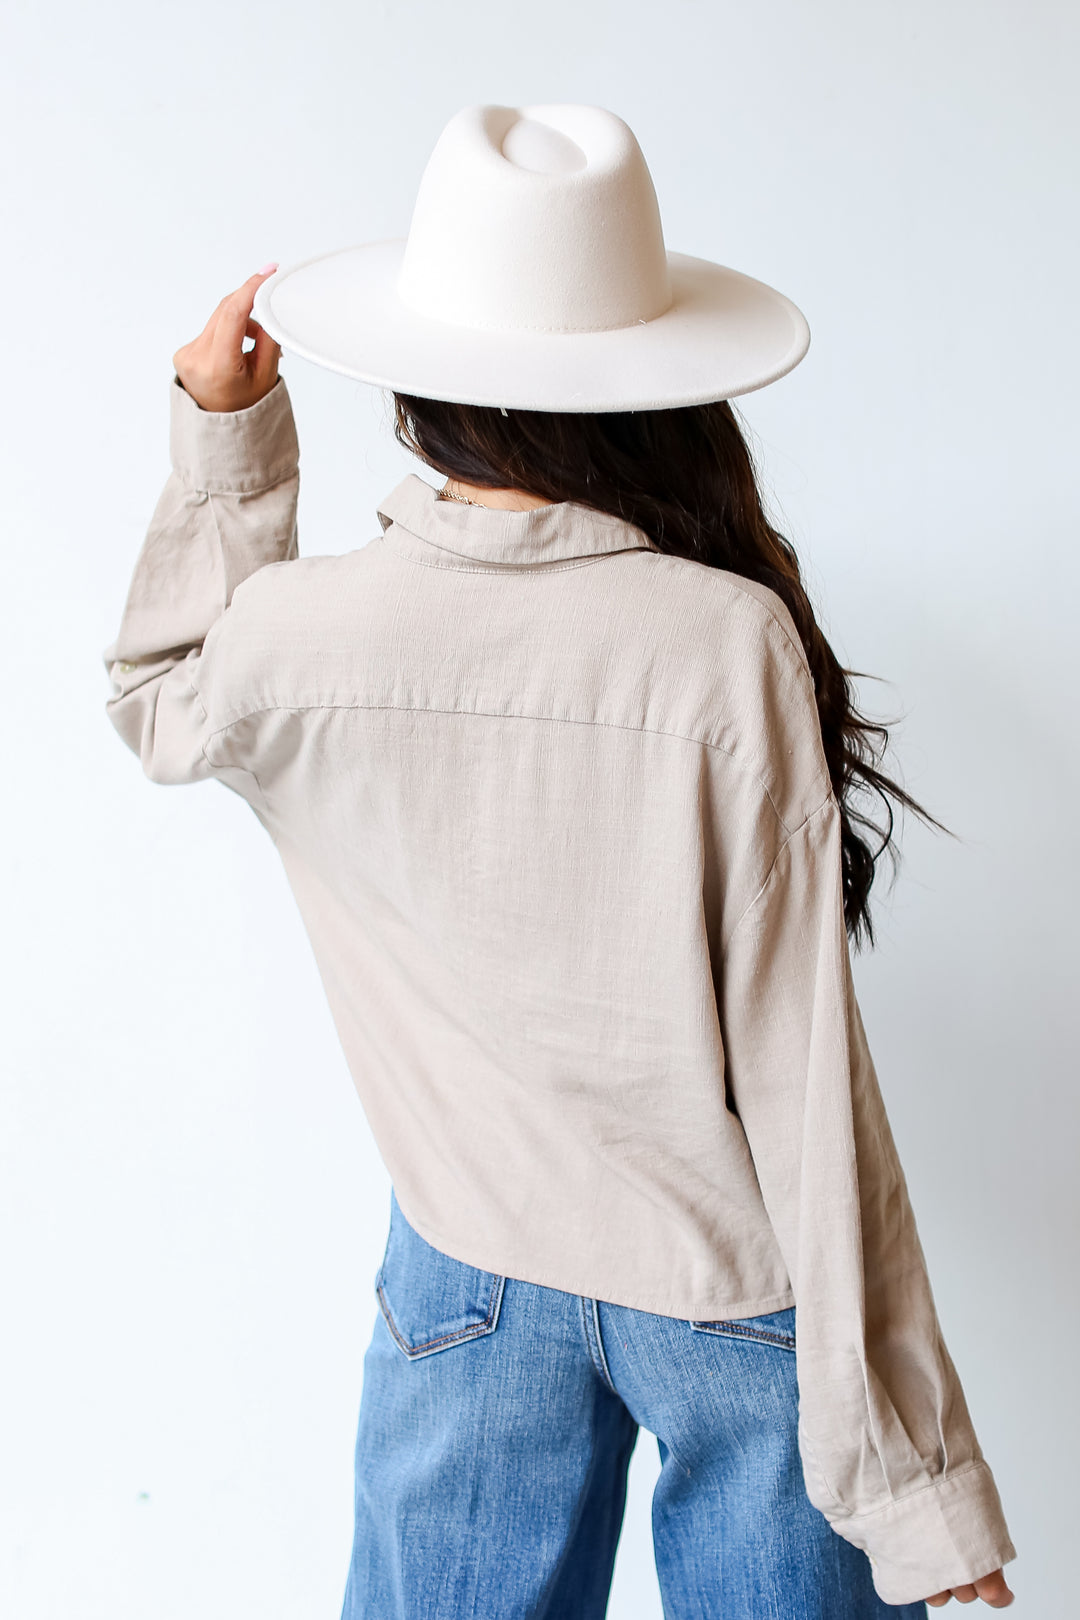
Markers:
point(192, 1205)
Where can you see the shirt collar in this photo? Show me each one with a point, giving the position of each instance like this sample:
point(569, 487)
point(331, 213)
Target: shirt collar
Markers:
point(469, 534)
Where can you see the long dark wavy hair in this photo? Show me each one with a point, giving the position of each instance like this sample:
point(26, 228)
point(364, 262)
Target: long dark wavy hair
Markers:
point(685, 476)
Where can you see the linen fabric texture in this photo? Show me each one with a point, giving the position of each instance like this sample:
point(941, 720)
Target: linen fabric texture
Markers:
point(557, 817)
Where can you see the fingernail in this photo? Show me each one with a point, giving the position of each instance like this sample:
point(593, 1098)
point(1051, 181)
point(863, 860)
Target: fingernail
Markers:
point(267, 268)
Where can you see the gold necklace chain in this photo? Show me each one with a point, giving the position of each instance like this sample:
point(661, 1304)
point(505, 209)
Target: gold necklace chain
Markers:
point(449, 495)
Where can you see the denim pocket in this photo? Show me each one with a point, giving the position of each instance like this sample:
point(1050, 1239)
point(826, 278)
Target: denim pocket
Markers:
point(774, 1327)
point(429, 1300)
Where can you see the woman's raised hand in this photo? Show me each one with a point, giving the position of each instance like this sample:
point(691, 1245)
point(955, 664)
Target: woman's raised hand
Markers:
point(993, 1589)
point(214, 368)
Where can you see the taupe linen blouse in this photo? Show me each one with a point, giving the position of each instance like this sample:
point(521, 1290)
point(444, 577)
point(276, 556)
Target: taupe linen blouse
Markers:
point(556, 814)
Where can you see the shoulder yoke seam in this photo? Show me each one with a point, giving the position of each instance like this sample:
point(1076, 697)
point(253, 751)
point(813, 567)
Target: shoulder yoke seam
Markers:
point(488, 714)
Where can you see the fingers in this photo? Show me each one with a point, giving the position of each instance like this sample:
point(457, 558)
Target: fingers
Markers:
point(993, 1589)
point(215, 368)
point(233, 314)
point(264, 357)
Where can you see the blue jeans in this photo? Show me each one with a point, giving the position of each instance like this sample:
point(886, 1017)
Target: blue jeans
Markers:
point(496, 1425)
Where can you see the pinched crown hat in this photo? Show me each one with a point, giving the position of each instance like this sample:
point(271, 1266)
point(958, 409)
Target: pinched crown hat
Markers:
point(535, 275)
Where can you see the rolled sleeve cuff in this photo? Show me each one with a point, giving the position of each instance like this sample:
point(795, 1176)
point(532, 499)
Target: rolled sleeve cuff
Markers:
point(233, 452)
point(947, 1534)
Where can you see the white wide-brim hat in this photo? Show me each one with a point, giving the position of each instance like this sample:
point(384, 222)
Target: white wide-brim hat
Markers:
point(535, 276)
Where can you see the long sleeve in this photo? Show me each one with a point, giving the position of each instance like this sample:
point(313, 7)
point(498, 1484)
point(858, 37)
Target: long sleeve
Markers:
point(228, 508)
point(888, 1449)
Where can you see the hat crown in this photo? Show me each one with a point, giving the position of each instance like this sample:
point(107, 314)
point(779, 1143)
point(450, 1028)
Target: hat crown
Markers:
point(540, 218)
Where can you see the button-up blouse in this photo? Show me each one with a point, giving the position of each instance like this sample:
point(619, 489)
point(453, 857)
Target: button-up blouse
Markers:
point(557, 817)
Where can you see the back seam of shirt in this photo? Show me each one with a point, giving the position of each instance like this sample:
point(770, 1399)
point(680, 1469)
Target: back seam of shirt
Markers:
point(486, 714)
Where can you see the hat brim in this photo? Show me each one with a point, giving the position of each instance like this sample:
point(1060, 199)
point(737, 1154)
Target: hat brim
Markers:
point(725, 334)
